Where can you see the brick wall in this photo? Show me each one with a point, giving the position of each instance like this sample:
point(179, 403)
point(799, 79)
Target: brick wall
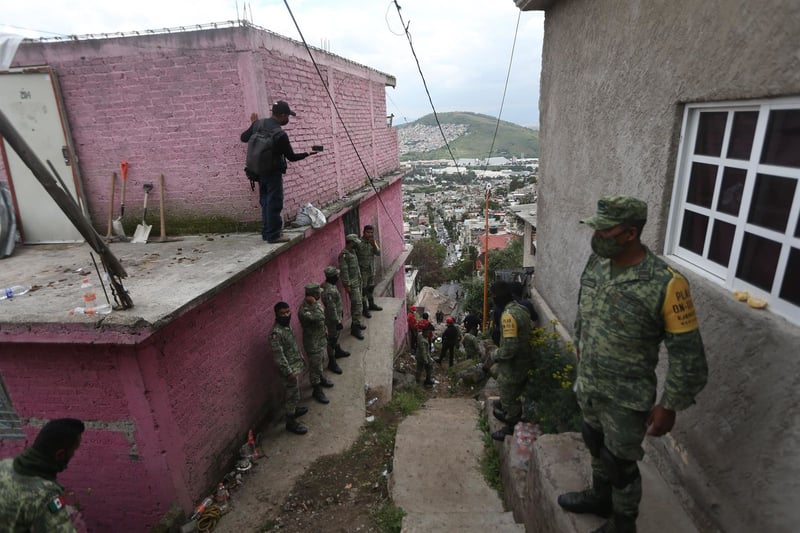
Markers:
point(175, 104)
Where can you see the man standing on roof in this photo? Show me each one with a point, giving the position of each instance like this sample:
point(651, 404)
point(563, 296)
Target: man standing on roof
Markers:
point(270, 183)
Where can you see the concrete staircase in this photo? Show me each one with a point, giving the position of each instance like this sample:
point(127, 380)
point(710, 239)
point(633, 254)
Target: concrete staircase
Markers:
point(436, 477)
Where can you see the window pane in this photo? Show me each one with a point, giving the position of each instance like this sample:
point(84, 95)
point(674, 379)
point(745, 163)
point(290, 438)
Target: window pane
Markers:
point(701, 184)
point(772, 201)
point(710, 130)
point(730, 195)
point(791, 279)
point(758, 261)
point(744, 127)
point(721, 242)
point(693, 233)
point(782, 139)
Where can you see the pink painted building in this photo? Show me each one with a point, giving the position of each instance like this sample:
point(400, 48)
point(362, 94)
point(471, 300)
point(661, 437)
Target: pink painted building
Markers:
point(169, 388)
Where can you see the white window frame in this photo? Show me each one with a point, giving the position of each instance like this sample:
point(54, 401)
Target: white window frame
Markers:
point(726, 276)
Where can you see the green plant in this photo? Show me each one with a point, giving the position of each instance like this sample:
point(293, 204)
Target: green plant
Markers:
point(549, 397)
point(388, 518)
point(490, 461)
point(406, 401)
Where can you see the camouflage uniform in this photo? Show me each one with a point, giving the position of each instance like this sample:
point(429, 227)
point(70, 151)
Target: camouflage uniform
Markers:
point(351, 278)
point(287, 356)
point(31, 503)
point(514, 358)
point(620, 325)
point(423, 357)
point(333, 315)
point(472, 347)
point(312, 319)
point(366, 252)
point(624, 313)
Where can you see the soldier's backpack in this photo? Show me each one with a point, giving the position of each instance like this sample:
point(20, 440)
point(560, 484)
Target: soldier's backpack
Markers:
point(260, 156)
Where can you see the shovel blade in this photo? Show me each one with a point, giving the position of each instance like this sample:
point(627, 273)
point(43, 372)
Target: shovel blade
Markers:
point(118, 229)
point(142, 233)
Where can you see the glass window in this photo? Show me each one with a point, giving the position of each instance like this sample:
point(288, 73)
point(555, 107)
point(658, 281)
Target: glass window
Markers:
point(710, 132)
point(736, 217)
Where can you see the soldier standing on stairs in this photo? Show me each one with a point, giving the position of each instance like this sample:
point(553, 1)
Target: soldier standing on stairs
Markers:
point(312, 318)
point(351, 281)
point(332, 301)
point(290, 364)
point(422, 355)
point(366, 251)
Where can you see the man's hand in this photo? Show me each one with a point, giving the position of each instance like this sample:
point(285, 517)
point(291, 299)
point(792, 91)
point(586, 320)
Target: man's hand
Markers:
point(253, 117)
point(347, 288)
point(339, 326)
point(660, 421)
point(311, 151)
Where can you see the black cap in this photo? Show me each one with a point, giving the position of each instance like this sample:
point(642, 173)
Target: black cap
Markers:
point(282, 108)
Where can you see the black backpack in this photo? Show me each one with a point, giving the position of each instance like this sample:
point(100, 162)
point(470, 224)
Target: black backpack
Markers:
point(260, 157)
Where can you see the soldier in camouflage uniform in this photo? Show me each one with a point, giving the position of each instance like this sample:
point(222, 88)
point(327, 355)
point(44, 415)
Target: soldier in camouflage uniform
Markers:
point(514, 357)
point(423, 357)
point(30, 497)
point(629, 302)
point(332, 301)
point(315, 339)
point(366, 251)
point(351, 281)
point(290, 364)
point(472, 346)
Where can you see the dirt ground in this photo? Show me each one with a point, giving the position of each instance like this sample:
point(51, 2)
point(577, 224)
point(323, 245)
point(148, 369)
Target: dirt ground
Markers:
point(348, 492)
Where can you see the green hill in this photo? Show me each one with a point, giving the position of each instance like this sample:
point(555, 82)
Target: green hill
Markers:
point(470, 136)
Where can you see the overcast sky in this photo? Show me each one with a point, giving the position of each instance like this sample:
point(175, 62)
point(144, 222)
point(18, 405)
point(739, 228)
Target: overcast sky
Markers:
point(464, 47)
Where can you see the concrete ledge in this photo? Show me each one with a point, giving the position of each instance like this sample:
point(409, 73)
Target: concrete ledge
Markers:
point(561, 463)
point(444, 522)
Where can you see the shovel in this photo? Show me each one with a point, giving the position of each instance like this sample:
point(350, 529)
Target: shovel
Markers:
point(118, 229)
point(143, 229)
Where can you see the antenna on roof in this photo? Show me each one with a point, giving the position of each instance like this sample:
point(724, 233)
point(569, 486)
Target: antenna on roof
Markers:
point(237, 10)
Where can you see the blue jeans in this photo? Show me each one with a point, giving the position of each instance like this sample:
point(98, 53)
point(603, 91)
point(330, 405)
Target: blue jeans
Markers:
point(270, 190)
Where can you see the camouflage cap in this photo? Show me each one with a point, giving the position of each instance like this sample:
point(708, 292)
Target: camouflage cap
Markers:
point(614, 210)
point(352, 238)
point(312, 289)
point(331, 271)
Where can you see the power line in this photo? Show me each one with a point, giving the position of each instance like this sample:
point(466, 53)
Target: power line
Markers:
point(339, 116)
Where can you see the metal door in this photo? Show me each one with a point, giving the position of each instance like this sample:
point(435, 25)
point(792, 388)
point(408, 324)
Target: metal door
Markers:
point(29, 97)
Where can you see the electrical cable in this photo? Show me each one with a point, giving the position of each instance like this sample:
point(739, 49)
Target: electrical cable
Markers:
point(503, 101)
point(339, 116)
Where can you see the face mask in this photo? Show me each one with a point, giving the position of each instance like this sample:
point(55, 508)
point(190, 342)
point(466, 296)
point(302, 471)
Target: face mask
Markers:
point(283, 320)
point(332, 279)
point(606, 246)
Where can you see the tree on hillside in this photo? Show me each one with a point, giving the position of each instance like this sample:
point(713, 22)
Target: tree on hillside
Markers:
point(508, 258)
point(428, 256)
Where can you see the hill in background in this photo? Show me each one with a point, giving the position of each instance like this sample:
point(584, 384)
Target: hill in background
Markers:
point(469, 135)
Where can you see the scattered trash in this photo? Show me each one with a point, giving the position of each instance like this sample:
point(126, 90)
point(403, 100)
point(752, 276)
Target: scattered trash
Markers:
point(348, 486)
point(371, 418)
point(9, 293)
point(372, 402)
point(202, 507)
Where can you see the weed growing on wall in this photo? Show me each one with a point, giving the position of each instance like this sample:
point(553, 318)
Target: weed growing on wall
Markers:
point(549, 397)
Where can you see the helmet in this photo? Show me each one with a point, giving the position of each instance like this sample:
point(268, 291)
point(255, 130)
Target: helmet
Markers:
point(413, 308)
point(312, 289)
point(331, 271)
point(352, 238)
point(449, 320)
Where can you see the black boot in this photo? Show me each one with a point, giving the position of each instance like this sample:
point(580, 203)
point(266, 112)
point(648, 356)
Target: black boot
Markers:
point(500, 434)
point(325, 382)
point(497, 404)
point(362, 326)
point(300, 411)
point(355, 331)
point(333, 366)
point(319, 395)
point(618, 524)
point(365, 311)
point(339, 353)
point(428, 381)
point(373, 307)
point(499, 414)
point(596, 500)
point(294, 426)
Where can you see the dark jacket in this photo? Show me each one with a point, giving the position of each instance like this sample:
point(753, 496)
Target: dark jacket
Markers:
point(282, 148)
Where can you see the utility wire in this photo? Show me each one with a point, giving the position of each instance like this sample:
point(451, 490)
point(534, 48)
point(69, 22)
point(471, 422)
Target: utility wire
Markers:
point(335, 107)
point(503, 101)
point(425, 85)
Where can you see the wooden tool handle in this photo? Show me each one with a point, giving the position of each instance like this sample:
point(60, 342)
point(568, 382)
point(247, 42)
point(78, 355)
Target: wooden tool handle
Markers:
point(111, 204)
point(161, 206)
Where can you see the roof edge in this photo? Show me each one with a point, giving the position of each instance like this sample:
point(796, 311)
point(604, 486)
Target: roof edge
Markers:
point(534, 5)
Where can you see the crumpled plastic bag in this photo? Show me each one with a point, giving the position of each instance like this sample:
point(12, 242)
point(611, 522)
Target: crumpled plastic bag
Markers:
point(310, 215)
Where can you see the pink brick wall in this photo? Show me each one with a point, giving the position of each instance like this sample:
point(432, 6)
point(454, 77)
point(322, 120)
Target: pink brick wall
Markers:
point(166, 415)
point(175, 104)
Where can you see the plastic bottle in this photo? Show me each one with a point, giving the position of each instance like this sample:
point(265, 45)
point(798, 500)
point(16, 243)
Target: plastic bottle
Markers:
point(202, 507)
point(524, 435)
point(103, 309)
point(15, 290)
point(89, 296)
point(221, 497)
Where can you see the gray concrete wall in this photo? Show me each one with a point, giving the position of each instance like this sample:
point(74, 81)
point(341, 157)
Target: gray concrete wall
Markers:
point(615, 78)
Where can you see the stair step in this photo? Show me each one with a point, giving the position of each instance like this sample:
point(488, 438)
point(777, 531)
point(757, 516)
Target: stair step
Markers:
point(449, 522)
